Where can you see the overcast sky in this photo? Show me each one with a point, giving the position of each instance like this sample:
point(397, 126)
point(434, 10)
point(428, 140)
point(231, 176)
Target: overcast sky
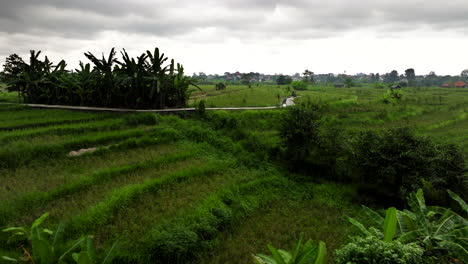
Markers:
point(215, 36)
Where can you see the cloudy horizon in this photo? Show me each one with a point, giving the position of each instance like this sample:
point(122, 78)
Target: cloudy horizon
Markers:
point(281, 36)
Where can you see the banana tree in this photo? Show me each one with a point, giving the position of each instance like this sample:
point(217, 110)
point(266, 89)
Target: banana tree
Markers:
point(307, 253)
point(437, 229)
point(132, 78)
point(48, 247)
point(158, 76)
point(106, 83)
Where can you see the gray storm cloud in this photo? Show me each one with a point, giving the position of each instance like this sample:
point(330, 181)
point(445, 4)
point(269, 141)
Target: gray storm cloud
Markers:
point(247, 35)
point(309, 19)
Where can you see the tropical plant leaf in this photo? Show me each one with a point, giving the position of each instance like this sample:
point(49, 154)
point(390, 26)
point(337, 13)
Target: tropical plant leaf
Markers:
point(360, 226)
point(297, 248)
point(58, 237)
point(11, 229)
point(39, 221)
point(321, 254)
point(373, 215)
point(91, 249)
point(75, 245)
point(459, 200)
point(9, 259)
point(307, 253)
point(390, 224)
point(44, 252)
point(264, 259)
point(276, 255)
point(110, 254)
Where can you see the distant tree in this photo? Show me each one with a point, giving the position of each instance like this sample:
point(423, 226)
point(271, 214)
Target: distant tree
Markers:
point(391, 77)
point(410, 76)
point(464, 75)
point(308, 76)
point(245, 78)
point(349, 82)
point(12, 68)
point(283, 79)
point(431, 79)
point(202, 76)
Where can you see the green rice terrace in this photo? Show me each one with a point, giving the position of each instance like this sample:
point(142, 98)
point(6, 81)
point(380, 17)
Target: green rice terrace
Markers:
point(218, 186)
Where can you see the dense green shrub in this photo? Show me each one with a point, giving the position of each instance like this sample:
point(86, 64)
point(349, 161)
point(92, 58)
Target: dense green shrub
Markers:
point(394, 162)
point(298, 128)
point(141, 119)
point(299, 85)
point(200, 109)
point(372, 250)
point(312, 143)
point(222, 120)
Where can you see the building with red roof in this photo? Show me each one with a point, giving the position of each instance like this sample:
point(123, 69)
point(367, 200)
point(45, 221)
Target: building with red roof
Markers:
point(460, 84)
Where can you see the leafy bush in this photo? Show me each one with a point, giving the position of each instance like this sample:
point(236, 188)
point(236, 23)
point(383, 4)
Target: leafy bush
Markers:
point(395, 161)
point(299, 85)
point(312, 143)
point(372, 250)
point(200, 109)
point(141, 119)
point(298, 128)
point(220, 86)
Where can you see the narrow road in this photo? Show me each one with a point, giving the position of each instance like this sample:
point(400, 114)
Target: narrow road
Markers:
point(289, 102)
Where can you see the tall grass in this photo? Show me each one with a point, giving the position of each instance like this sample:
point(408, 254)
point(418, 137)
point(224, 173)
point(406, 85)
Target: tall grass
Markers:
point(183, 238)
point(22, 153)
point(102, 212)
point(13, 209)
point(66, 129)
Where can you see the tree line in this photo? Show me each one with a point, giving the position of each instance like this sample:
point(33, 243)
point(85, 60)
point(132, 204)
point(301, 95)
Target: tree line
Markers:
point(147, 81)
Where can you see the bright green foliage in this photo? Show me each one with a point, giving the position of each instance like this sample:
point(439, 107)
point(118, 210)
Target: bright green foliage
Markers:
point(436, 229)
point(144, 82)
point(392, 96)
point(390, 224)
point(48, 247)
point(372, 250)
point(307, 253)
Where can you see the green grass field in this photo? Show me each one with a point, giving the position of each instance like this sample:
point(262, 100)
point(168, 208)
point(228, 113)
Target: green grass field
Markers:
point(184, 187)
point(144, 178)
point(438, 112)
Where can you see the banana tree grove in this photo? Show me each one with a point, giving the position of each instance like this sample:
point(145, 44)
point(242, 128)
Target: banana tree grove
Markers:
point(147, 81)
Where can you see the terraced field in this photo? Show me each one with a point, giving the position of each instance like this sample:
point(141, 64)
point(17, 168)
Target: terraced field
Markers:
point(190, 189)
point(168, 189)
